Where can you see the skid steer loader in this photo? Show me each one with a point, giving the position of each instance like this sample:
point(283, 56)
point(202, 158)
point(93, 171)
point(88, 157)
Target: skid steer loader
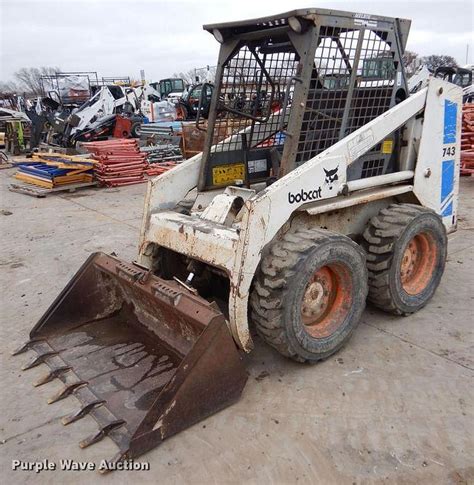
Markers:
point(332, 186)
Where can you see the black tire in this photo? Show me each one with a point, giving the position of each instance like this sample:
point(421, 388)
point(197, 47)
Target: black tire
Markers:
point(288, 270)
point(135, 129)
point(406, 249)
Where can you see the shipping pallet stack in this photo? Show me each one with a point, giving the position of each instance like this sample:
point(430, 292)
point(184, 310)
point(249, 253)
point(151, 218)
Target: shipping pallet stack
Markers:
point(467, 140)
point(44, 173)
point(117, 162)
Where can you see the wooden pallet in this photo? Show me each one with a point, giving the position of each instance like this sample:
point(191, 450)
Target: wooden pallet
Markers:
point(34, 191)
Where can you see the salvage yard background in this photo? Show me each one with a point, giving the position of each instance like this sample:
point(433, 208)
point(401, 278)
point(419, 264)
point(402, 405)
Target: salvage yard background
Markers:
point(394, 406)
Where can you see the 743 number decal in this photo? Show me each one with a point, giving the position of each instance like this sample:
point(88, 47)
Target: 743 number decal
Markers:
point(449, 151)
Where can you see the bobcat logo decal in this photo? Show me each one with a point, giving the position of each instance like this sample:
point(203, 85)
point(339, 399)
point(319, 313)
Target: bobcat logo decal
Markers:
point(331, 176)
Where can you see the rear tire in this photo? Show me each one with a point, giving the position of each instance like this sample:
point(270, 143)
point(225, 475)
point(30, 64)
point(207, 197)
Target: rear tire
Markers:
point(406, 254)
point(309, 293)
point(136, 129)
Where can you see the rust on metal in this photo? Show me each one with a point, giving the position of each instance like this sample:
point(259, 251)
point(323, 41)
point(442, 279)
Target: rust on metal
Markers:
point(82, 412)
point(145, 357)
point(66, 391)
point(418, 263)
point(24, 347)
point(102, 433)
point(53, 374)
point(326, 300)
point(39, 359)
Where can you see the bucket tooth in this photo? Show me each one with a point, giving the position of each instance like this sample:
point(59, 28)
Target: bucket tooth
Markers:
point(26, 346)
point(51, 375)
point(103, 432)
point(66, 391)
point(71, 418)
point(38, 360)
point(144, 357)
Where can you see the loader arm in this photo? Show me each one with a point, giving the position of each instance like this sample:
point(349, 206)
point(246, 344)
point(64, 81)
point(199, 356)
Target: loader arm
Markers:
point(343, 190)
point(265, 213)
point(268, 212)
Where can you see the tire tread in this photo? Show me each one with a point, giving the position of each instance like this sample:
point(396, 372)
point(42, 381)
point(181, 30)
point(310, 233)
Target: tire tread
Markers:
point(276, 268)
point(379, 240)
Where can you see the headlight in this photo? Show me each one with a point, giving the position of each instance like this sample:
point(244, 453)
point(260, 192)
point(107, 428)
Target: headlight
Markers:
point(218, 35)
point(295, 24)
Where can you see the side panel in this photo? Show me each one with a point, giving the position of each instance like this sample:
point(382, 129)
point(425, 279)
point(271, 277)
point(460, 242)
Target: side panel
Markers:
point(320, 178)
point(437, 168)
point(163, 193)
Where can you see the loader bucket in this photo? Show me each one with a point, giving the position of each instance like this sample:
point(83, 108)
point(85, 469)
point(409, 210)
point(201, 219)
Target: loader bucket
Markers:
point(145, 357)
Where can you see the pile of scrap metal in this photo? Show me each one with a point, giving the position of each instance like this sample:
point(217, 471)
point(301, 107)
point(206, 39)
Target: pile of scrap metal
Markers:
point(162, 153)
point(161, 158)
point(161, 132)
point(93, 120)
point(155, 105)
point(170, 99)
point(184, 134)
point(78, 106)
point(53, 170)
point(15, 130)
point(117, 162)
point(98, 117)
point(69, 88)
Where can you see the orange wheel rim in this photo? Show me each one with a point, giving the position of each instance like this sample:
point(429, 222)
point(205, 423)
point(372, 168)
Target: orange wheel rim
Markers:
point(326, 300)
point(418, 263)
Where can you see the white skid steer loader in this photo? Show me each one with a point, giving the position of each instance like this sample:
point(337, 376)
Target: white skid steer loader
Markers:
point(330, 185)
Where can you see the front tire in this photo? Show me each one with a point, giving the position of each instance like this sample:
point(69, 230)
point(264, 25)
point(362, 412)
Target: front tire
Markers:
point(406, 254)
point(309, 293)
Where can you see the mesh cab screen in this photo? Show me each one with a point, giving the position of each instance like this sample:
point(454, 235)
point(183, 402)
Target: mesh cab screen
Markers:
point(252, 93)
point(284, 97)
point(351, 83)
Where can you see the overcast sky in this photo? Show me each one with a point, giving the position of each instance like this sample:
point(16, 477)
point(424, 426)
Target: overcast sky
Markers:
point(120, 37)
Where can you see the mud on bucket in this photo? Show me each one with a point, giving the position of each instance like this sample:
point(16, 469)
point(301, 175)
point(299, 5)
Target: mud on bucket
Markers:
point(145, 357)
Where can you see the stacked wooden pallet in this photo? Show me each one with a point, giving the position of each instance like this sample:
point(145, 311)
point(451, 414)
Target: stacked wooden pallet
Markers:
point(117, 162)
point(54, 170)
point(467, 140)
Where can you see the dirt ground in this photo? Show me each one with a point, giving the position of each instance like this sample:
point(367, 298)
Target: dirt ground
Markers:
point(394, 406)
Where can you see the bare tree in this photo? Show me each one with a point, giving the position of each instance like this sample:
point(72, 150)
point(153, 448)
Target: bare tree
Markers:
point(8, 87)
point(411, 61)
point(207, 73)
point(29, 78)
point(434, 61)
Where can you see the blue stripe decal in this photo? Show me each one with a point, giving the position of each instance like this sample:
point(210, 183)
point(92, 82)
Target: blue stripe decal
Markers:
point(450, 118)
point(447, 179)
point(448, 211)
point(447, 203)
